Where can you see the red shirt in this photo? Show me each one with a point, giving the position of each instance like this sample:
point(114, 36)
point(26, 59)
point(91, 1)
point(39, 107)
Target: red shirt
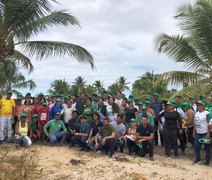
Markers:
point(43, 115)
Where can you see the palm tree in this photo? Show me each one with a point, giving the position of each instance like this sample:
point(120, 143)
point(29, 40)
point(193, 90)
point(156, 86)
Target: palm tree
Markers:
point(113, 89)
point(193, 49)
point(60, 86)
point(123, 85)
point(22, 20)
point(99, 86)
point(145, 85)
point(79, 84)
point(11, 78)
point(89, 90)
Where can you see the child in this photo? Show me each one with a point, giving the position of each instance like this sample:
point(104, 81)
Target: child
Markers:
point(35, 135)
point(43, 119)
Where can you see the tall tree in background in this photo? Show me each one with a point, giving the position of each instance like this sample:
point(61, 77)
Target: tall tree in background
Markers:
point(78, 85)
point(12, 79)
point(99, 86)
point(122, 83)
point(193, 49)
point(22, 20)
point(145, 85)
point(60, 86)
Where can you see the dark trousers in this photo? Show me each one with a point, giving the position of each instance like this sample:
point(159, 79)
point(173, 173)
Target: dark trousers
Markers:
point(170, 137)
point(108, 146)
point(183, 140)
point(147, 148)
point(156, 132)
point(120, 143)
point(68, 137)
point(81, 140)
point(190, 135)
point(197, 147)
point(161, 137)
point(130, 144)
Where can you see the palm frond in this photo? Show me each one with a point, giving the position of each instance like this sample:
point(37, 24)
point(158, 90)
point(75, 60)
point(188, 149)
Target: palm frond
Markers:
point(179, 49)
point(25, 84)
point(50, 49)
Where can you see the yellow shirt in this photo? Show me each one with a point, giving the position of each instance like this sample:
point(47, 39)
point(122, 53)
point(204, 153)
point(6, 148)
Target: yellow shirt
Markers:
point(6, 107)
point(23, 130)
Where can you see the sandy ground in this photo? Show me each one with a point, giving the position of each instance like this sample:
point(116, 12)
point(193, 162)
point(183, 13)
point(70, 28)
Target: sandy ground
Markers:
point(64, 163)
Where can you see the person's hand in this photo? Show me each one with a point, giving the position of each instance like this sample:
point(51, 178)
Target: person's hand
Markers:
point(208, 135)
point(97, 145)
point(193, 135)
point(210, 126)
point(103, 141)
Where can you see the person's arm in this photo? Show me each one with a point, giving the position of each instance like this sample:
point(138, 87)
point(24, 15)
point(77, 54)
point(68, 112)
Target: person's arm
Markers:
point(90, 134)
point(29, 130)
point(136, 114)
point(63, 126)
point(190, 115)
point(45, 128)
point(17, 129)
point(153, 113)
point(84, 134)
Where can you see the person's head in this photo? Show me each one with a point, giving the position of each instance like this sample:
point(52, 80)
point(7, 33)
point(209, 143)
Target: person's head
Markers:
point(169, 106)
point(94, 97)
point(52, 99)
point(202, 98)
point(145, 120)
point(28, 95)
point(133, 123)
point(9, 95)
point(69, 103)
point(104, 95)
point(96, 116)
point(186, 106)
point(42, 100)
point(136, 101)
point(144, 109)
point(119, 118)
point(156, 96)
point(35, 118)
point(83, 119)
point(101, 101)
point(57, 116)
point(147, 98)
point(75, 114)
point(18, 101)
point(200, 106)
point(164, 104)
point(140, 104)
point(44, 105)
point(89, 102)
point(124, 103)
point(23, 117)
point(130, 102)
point(177, 98)
point(192, 99)
point(35, 100)
point(118, 94)
point(82, 96)
point(27, 102)
point(110, 100)
point(106, 121)
point(147, 103)
point(58, 101)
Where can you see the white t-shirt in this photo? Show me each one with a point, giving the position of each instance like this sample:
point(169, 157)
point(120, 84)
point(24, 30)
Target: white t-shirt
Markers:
point(201, 123)
point(112, 116)
point(67, 114)
point(118, 101)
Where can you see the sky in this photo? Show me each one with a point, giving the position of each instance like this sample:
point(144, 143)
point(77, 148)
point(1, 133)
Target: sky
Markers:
point(120, 35)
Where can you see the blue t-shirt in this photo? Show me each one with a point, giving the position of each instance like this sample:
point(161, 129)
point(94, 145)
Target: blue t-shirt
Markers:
point(96, 127)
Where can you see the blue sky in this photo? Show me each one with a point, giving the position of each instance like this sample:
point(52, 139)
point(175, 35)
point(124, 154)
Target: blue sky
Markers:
point(120, 34)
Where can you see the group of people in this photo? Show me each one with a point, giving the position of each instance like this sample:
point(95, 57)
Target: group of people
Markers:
point(108, 124)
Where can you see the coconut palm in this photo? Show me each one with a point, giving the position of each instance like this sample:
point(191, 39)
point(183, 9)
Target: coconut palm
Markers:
point(193, 49)
point(122, 83)
point(22, 20)
point(60, 86)
point(11, 78)
point(79, 84)
point(99, 86)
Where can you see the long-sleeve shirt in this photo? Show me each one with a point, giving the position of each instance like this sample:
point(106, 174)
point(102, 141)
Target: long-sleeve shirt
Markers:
point(157, 107)
point(54, 110)
point(54, 127)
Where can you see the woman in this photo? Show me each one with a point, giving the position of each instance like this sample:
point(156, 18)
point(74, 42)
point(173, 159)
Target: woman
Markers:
point(22, 130)
point(35, 105)
point(131, 135)
point(201, 120)
point(112, 109)
point(27, 109)
point(88, 110)
point(129, 113)
point(170, 128)
point(58, 107)
point(101, 109)
point(67, 113)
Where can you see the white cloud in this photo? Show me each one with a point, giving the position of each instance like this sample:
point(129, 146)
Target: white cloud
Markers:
point(119, 34)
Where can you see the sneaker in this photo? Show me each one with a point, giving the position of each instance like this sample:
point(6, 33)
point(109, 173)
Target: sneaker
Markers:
point(196, 161)
point(112, 157)
point(206, 163)
point(98, 152)
point(151, 158)
point(82, 149)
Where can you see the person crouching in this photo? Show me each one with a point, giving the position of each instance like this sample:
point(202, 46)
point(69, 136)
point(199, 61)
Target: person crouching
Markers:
point(22, 129)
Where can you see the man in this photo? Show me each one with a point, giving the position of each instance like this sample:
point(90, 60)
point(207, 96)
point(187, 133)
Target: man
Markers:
point(95, 99)
point(148, 115)
point(82, 136)
point(118, 99)
point(120, 132)
point(105, 98)
point(193, 104)
point(105, 138)
point(54, 126)
point(156, 105)
point(7, 112)
point(52, 102)
point(145, 137)
point(80, 104)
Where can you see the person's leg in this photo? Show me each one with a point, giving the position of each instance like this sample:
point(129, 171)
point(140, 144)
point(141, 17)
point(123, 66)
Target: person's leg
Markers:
point(9, 128)
point(26, 141)
point(2, 127)
point(61, 135)
point(17, 140)
point(84, 143)
point(111, 144)
point(208, 153)
point(197, 146)
point(161, 138)
point(156, 132)
point(190, 135)
point(182, 140)
point(142, 150)
point(53, 139)
point(150, 148)
point(167, 141)
point(174, 141)
point(130, 144)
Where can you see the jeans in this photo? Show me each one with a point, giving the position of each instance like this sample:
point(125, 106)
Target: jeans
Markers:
point(109, 145)
point(81, 140)
point(6, 122)
point(24, 140)
point(147, 148)
point(197, 147)
point(130, 144)
point(170, 137)
point(60, 135)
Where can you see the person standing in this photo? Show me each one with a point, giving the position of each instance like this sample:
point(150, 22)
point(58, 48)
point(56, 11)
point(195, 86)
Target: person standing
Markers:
point(80, 104)
point(7, 112)
point(156, 105)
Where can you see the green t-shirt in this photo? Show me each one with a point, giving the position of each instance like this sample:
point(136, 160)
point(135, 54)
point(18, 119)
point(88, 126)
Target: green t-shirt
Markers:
point(149, 116)
point(88, 112)
point(106, 131)
point(54, 127)
point(34, 126)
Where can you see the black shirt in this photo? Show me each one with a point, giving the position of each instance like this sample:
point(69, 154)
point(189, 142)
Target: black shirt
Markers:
point(80, 105)
point(129, 114)
point(172, 119)
point(73, 124)
point(145, 131)
point(96, 127)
